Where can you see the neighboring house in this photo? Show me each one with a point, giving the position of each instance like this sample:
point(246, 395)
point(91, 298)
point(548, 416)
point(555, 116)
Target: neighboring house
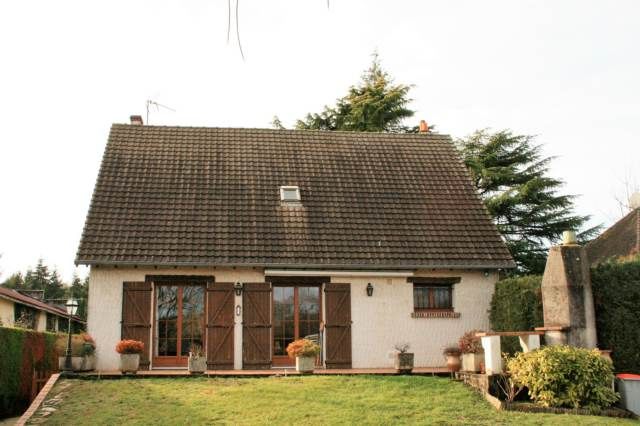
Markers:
point(243, 240)
point(20, 309)
point(621, 240)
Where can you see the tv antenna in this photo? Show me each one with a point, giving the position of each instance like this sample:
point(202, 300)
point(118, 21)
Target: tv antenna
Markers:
point(151, 103)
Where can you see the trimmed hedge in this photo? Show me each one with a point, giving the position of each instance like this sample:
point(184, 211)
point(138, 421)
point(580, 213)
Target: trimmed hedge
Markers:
point(21, 352)
point(616, 295)
point(516, 306)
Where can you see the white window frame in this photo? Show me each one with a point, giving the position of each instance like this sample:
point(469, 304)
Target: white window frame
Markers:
point(289, 188)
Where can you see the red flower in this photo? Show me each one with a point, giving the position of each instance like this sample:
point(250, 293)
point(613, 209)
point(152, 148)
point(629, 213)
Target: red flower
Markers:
point(129, 347)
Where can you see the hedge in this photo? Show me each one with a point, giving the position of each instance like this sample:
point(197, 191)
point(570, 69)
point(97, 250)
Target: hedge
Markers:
point(616, 295)
point(22, 352)
point(516, 306)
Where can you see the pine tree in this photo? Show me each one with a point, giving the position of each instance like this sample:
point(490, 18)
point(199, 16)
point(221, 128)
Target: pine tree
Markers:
point(37, 279)
point(511, 175)
point(55, 290)
point(80, 291)
point(374, 105)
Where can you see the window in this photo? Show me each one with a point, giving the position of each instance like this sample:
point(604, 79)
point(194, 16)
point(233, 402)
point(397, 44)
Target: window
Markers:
point(25, 317)
point(289, 193)
point(51, 323)
point(433, 293)
point(427, 296)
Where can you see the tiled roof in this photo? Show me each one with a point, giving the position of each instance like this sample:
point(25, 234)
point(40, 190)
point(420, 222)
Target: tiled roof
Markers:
point(17, 297)
point(210, 196)
point(622, 239)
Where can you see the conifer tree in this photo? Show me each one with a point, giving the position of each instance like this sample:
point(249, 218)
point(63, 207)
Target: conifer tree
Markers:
point(80, 291)
point(374, 105)
point(511, 175)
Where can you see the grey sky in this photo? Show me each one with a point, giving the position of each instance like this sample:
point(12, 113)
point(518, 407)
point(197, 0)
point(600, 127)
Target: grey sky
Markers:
point(564, 70)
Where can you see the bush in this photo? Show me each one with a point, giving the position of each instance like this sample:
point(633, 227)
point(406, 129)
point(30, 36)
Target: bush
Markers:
point(22, 351)
point(616, 295)
point(469, 343)
point(129, 347)
point(564, 376)
point(516, 306)
point(302, 347)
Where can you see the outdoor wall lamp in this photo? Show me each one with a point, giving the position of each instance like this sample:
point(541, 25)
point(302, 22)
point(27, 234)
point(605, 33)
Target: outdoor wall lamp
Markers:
point(238, 288)
point(369, 290)
point(72, 308)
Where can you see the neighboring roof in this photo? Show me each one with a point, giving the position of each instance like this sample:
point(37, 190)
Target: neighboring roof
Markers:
point(210, 196)
point(17, 297)
point(622, 239)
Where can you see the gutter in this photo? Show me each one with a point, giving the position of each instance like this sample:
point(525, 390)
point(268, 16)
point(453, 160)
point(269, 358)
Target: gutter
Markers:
point(319, 273)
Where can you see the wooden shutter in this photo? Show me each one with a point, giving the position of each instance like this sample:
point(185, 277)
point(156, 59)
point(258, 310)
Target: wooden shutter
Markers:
point(256, 326)
point(338, 325)
point(136, 316)
point(220, 324)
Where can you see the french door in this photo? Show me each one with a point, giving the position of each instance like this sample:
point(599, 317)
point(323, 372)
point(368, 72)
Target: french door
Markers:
point(297, 314)
point(179, 323)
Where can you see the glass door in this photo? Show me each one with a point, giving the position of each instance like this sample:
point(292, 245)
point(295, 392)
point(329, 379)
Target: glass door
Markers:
point(179, 323)
point(296, 315)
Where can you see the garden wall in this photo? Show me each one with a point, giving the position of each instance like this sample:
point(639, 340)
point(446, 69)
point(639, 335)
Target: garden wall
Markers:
point(23, 351)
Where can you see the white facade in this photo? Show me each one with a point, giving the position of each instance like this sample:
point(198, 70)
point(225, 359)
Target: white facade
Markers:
point(379, 322)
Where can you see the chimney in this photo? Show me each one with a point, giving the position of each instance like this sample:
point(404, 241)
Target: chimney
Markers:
point(136, 120)
point(424, 128)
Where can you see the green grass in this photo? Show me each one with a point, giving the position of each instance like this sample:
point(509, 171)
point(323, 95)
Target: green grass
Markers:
point(287, 400)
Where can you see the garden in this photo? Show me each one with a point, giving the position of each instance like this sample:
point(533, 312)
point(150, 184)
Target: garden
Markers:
point(285, 400)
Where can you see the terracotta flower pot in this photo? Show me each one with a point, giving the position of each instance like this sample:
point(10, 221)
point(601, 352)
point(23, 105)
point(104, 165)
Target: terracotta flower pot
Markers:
point(454, 363)
point(403, 362)
point(305, 364)
point(129, 363)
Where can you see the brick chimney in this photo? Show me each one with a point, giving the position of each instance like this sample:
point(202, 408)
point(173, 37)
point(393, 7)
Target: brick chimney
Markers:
point(136, 120)
point(424, 127)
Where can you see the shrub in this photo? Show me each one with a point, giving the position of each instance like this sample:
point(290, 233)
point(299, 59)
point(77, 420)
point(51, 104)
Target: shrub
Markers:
point(564, 376)
point(302, 347)
point(129, 347)
point(469, 343)
point(77, 344)
point(616, 295)
point(21, 352)
point(516, 305)
point(451, 351)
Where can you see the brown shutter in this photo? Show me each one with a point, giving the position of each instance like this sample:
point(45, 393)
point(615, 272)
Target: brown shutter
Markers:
point(136, 316)
point(220, 304)
point(256, 326)
point(338, 325)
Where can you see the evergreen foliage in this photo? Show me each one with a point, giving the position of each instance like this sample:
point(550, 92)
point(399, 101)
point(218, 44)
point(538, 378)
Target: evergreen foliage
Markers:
point(516, 305)
point(616, 293)
point(23, 351)
point(511, 175)
point(374, 105)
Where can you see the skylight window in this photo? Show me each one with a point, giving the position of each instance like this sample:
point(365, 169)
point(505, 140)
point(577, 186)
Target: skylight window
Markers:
point(289, 193)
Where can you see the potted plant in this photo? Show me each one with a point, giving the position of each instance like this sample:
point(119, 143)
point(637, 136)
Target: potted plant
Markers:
point(83, 349)
point(452, 355)
point(129, 351)
point(305, 352)
point(197, 360)
point(472, 352)
point(403, 361)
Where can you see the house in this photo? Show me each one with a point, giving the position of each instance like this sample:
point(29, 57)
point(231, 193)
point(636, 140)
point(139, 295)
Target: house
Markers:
point(29, 312)
point(621, 240)
point(242, 240)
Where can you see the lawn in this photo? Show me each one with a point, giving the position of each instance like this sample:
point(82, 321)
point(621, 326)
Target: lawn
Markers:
point(285, 400)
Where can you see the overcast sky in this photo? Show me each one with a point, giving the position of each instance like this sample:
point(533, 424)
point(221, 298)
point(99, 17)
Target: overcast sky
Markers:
point(567, 71)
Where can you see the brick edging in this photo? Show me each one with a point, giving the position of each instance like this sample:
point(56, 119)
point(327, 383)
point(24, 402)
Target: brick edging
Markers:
point(35, 404)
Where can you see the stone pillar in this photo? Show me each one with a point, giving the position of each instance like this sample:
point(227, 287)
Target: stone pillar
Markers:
point(529, 342)
point(492, 354)
point(567, 298)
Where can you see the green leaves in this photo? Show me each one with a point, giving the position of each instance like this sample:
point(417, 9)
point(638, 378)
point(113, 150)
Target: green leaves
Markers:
point(375, 105)
point(510, 174)
point(564, 376)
